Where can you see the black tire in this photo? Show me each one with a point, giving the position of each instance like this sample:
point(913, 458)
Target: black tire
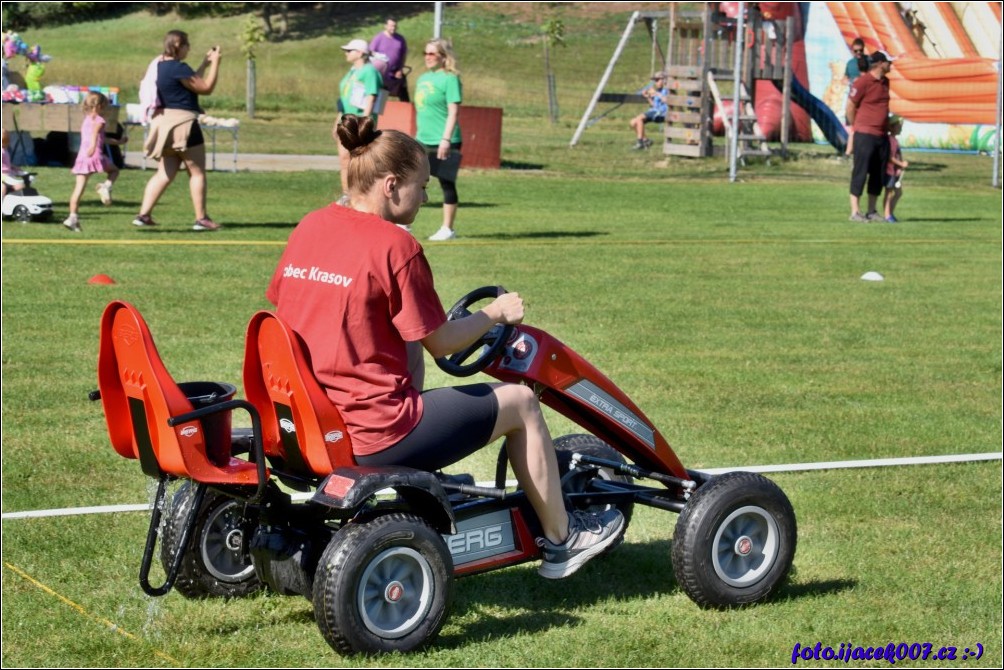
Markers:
point(21, 214)
point(384, 585)
point(735, 541)
point(216, 563)
point(576, 481)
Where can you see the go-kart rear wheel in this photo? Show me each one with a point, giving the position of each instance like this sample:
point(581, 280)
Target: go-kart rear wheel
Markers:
point(735, 541)
point(383, 585)
point(577, 480)
point(216, 562)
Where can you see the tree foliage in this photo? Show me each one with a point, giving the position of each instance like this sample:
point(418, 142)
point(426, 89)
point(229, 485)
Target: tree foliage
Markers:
point(23, 15)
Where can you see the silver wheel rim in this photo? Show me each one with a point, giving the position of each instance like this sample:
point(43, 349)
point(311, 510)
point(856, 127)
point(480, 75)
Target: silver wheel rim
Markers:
point(745, 546)
point(395, 592)
point(222, 545)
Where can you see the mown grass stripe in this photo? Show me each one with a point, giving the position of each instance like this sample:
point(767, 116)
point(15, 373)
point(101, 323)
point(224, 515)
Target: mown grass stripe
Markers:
point(111, 625)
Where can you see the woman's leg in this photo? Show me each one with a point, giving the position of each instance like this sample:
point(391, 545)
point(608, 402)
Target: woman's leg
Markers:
point(449, 216)
point(451, 199)
point(195, 161)
point(166, 171)
point(532, 455)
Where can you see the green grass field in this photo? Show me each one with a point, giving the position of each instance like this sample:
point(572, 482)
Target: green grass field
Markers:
point(733, 314)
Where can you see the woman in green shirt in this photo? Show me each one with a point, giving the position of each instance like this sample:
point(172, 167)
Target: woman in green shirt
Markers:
point(438, 94)
point(357, 94)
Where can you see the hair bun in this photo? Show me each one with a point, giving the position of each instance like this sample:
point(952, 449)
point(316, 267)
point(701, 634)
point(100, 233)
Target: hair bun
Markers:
point(356, 132)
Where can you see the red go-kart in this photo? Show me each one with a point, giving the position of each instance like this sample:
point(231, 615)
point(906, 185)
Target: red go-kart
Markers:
point(283, 505)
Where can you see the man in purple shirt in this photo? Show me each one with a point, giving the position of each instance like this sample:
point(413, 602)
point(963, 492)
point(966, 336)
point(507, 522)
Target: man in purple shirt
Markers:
point(388, 53)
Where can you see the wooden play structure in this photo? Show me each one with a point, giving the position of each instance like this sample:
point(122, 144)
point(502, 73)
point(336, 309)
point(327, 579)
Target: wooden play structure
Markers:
point(700, 61)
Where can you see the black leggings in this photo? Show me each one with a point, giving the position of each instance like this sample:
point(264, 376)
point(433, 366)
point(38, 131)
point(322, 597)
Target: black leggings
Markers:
point(456, 421)
point(450, 196)
point(449, 187)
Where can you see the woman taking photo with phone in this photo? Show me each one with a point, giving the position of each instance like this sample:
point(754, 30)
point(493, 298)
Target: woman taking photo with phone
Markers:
point(175, 135)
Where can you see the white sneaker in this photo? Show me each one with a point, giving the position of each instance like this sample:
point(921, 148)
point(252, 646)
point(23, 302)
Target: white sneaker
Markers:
point(72, 223)
point(105, 191)
point(442, 235)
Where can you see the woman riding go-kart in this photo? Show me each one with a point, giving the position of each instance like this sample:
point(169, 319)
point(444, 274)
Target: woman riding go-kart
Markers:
point(332, 380)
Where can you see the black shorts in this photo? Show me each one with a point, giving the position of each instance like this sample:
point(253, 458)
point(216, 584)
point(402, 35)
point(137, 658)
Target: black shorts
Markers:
point(456, 422)
point(871, 154)
point(195, 137)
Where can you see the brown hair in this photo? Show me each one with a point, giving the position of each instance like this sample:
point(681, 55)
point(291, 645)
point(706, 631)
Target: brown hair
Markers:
point(376, 153)
point(174, 41)
point(94, 102)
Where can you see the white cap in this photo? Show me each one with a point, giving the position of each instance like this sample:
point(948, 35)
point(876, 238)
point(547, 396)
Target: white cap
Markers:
point(357, 45)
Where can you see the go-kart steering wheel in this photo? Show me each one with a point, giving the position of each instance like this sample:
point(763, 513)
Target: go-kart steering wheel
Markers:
point(491, 342)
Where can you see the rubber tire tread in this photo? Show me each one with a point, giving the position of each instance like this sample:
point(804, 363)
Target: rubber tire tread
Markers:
point(346, 558)
point(194, 580)
point(695, 532)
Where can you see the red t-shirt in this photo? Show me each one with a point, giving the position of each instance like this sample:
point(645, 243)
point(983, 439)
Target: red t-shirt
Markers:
point(871, 96)
point(356, 288)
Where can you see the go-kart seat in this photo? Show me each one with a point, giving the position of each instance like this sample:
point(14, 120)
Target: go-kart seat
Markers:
point(139, 397)
point(302, 430)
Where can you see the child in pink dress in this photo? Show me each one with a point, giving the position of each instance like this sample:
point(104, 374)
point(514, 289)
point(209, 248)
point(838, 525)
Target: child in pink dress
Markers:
point(91, 158)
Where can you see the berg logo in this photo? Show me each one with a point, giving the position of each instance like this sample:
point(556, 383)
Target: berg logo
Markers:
point(188, 431)
point(333, 436)
point(287, 425)
point(522, 349)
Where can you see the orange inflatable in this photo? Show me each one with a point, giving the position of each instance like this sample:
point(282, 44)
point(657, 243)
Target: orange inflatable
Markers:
point(923, 89)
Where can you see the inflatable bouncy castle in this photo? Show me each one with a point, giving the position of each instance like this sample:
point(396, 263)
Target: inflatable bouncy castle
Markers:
point(944, 81)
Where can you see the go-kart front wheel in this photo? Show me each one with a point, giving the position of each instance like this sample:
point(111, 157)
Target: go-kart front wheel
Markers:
point(735, 541)
point(383, 585)
point(216, 562)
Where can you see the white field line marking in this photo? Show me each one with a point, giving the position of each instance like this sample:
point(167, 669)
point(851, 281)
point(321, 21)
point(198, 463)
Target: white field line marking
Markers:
point(789, 467)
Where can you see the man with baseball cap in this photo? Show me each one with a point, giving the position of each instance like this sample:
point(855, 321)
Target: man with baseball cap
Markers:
point(867, 113)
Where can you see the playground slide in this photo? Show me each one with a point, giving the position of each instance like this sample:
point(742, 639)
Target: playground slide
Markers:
point(946, 31)
point(768, 98)
point(982, 24)
point(929, 90)
point(824, 117)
